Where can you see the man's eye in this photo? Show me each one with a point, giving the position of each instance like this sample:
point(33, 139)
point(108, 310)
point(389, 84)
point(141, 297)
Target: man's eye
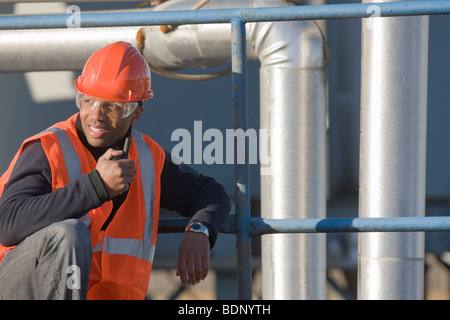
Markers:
point(116, 107)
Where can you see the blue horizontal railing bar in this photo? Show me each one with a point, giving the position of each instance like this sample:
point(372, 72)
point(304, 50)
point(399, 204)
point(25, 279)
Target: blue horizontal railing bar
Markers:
point(261, 226)
point(305, 12)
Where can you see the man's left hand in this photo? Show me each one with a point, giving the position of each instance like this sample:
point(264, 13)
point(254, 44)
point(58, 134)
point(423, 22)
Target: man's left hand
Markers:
point(193, 258)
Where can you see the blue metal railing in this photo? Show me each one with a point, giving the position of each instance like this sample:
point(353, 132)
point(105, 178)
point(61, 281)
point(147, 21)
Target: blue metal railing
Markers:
point(241, 223)
point(241, 171)
point(330, 11)
point(260, 226)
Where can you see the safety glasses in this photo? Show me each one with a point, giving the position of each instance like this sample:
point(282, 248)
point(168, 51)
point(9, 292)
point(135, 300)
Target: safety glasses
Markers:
point(114, 110)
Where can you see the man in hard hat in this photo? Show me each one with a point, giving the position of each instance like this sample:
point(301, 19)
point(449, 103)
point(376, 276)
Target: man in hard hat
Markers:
point(79, 204)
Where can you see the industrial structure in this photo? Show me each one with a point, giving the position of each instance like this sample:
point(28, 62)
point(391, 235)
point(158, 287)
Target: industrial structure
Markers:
point(350, 103)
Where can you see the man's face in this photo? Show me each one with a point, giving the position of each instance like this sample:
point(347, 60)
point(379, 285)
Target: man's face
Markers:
point(103, 130)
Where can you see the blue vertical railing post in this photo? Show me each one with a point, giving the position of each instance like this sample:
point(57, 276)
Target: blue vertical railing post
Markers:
point(242, 217)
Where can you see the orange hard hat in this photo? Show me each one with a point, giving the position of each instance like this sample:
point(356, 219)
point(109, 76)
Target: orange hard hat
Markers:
point(117, 72)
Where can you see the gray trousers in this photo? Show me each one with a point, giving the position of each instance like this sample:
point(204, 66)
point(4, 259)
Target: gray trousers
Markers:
point(53, 263)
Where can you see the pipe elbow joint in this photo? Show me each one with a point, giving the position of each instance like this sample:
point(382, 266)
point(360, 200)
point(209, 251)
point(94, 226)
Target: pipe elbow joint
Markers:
point(296, 44)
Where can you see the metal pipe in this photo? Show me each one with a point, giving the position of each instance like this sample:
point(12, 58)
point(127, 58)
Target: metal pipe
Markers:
point(393, 153)
point(56, 49)
point(293, 104)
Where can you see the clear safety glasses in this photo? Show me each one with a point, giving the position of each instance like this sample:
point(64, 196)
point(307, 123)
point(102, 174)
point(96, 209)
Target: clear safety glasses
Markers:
point(115, 110)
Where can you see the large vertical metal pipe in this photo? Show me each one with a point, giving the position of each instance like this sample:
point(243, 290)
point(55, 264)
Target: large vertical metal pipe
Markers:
point(392, 153)
point(293, 107)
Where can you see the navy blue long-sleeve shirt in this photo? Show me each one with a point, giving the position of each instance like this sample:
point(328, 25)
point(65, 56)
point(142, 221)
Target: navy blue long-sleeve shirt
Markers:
point(28, 203)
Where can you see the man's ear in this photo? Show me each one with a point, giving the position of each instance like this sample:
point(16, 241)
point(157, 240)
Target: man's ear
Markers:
point(136, 115)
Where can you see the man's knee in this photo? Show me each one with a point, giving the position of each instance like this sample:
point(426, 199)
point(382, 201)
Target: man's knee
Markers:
point(71, 233)
point(63, 252)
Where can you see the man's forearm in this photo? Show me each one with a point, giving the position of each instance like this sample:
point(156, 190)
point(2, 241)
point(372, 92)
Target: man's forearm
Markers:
point(28, 203)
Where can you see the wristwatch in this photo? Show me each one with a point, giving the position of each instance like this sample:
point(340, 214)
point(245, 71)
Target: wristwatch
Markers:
point(197, 227)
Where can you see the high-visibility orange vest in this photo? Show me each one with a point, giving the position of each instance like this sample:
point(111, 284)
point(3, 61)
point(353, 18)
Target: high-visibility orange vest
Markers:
point(123, 253)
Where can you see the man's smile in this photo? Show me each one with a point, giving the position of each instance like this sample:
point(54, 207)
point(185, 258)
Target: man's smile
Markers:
point(97, 131)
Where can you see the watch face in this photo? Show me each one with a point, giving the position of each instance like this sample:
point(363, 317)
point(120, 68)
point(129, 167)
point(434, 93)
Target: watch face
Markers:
point(198, 227)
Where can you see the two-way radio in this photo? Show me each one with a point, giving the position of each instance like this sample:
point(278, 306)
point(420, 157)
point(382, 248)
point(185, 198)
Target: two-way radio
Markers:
point(126, 147)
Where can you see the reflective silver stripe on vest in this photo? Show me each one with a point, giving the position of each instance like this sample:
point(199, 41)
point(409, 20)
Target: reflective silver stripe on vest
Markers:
point(131, 247)
point(73, 165)
point(147, 170)
point(69, 153)
point(144, 249)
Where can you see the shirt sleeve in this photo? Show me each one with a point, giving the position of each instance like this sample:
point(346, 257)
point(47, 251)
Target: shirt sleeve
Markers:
point(194, 195)
point(28, 203)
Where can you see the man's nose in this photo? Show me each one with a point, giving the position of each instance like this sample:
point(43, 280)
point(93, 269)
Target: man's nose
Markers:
point(97, 112)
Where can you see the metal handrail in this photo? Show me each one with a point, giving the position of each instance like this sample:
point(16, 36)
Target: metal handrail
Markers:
point(312, 12)
point(262, 226)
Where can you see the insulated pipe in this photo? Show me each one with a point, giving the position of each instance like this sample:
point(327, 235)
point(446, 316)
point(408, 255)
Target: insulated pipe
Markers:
point(293, 107)
point(393, 153)
point(193, 45)
point(293, 110)
point(56, 49)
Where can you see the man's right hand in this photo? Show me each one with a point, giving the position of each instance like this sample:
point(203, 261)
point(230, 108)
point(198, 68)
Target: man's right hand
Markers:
point(116, 174)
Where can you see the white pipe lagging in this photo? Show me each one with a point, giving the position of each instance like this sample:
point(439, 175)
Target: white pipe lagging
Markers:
point(293, 86)
point(393, 154)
